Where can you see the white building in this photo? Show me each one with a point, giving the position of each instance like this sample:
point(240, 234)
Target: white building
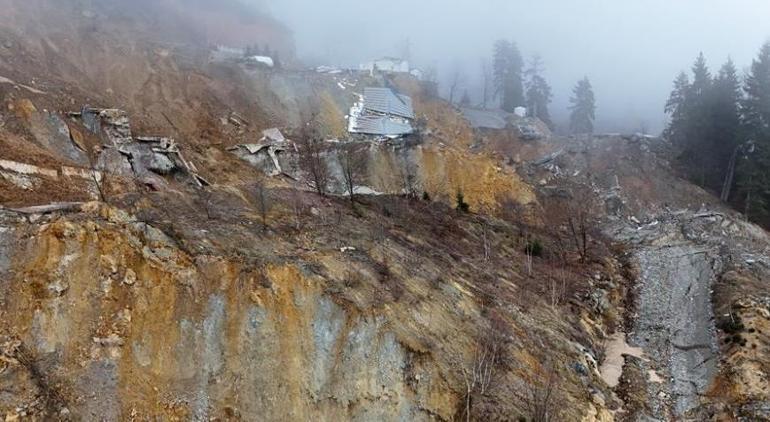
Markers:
point(387, 65)
point(263, 60)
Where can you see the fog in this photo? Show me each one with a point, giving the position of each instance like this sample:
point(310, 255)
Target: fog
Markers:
point(631, 50)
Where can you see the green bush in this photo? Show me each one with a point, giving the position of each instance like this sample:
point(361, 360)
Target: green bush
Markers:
point(534, 248)
point(462, 206)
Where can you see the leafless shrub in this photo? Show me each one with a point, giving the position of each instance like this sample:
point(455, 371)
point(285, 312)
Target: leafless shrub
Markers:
point(410, 179)
point(312, 150)
point(298, 210)
point(577, 215)
point(353, 161)
point(482, 374)
point(206, 197)
point(393, 284)
point(557, 284)
point(581, 223)
point(262, 200)
point(542, 396)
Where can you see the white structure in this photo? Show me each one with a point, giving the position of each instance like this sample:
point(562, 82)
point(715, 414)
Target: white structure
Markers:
point(520, 111)
point(264, 60)
point(387, 65)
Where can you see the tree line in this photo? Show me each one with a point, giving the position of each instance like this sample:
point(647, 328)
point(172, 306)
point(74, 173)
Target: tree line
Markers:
point(510, 83)
point(721, 125)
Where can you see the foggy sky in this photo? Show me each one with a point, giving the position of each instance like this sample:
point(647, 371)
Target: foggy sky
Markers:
point(631, 49)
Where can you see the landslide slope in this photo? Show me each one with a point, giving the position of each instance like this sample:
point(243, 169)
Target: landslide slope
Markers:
point(249, 298)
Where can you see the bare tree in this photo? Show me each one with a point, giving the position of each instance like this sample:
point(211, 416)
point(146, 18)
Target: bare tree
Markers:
point(353, 161)
point(458, 80)
point(430, 82)
point(486, 79)
point(577, 215)
point(298, 208)
point(312, 149)
point(262, 200)
point(410, 178)
point(580, 220)
point(541, 397)
point(206, 196)
point(482, 374)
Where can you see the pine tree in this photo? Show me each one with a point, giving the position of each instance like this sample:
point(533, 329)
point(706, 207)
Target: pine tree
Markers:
point(756, 106)
point(507, 72)
point(583, 108)
point(725, 121)
point(696, 146)
point(754, 169)
point(677, 107)
point(538, 92)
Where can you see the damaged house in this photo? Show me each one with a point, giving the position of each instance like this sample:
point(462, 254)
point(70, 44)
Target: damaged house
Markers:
point(382, 112)
point(123, 154)
point(527, 128)
point(268, 153)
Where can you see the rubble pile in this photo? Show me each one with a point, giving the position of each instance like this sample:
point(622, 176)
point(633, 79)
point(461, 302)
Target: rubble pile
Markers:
point(142, 157)
point(267, 154)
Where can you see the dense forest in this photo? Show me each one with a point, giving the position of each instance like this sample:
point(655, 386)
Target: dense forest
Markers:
point(721, 124)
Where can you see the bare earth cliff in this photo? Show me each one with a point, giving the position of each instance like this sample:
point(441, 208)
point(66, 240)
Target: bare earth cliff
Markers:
point(152, 268)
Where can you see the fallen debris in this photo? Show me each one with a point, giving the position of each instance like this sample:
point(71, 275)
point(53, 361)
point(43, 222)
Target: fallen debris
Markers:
point(49, 208)
point(4, 80)
point(27, 169)
point(548, 158)
point(265, 154)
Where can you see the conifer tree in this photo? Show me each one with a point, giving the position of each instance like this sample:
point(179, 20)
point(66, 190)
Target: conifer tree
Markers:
point(756, 105)
point(725, 118)
point(507, 72)
point(538, 91)
point(754, 169)
point(583, 108)
point(677, 107)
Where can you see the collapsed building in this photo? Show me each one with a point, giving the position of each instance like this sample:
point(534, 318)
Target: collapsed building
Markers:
point(142, 157)
point(527, 128)
point(268, 153)
point(382, 112)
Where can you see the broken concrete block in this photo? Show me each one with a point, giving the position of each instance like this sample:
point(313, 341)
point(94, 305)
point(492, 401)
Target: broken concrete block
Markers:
point(160, 164)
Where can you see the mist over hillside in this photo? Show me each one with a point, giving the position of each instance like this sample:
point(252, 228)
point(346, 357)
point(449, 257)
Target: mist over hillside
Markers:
point(629, 49)
point(261, 211)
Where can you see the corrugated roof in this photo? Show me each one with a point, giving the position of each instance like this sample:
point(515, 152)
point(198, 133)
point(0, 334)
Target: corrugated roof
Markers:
point(380, 125)
point(384, 100)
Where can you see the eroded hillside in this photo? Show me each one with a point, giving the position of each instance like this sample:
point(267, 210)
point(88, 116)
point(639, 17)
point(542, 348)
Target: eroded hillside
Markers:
point(150, 271)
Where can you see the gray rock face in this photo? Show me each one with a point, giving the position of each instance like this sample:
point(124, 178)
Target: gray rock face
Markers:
point(675, 321)
point(6, 239)
point(51, 131)
point(5, 249)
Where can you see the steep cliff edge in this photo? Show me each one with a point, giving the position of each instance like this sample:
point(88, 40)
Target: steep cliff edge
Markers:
point(106, 316)
point(166, 278)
